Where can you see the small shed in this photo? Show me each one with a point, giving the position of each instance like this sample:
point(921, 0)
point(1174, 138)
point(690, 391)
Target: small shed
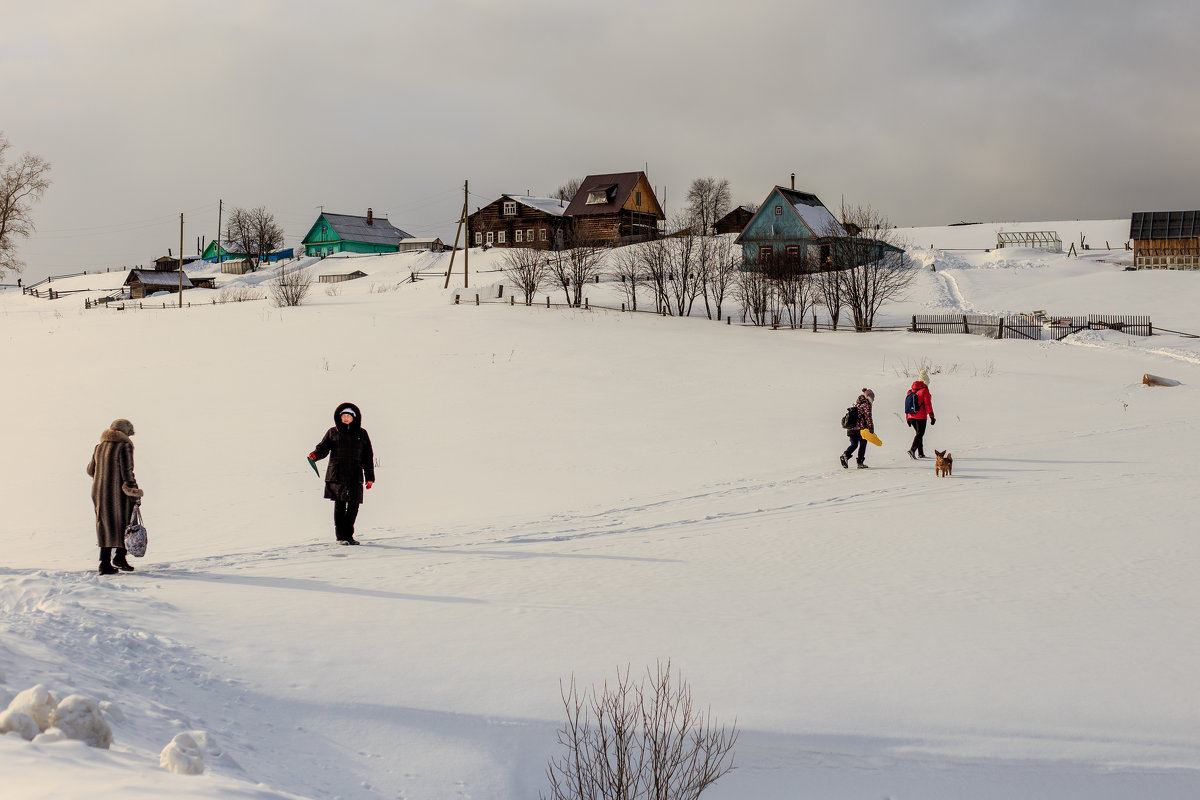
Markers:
point(342, 276)
point(171, 263)
point(434, 245)
point(735, 221)
point(1165, 239)
point(145, 282)
point(235, 266)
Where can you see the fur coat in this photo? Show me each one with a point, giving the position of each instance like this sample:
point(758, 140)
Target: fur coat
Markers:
point(114, 488)
point(351, 459)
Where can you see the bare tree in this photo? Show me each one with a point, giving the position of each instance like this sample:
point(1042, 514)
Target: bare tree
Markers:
point(684, 278)
point(871, 265)
point(22, 183)
point(655, 266)
point(643, 742)
point(627, 269)
point(829, 293)
point(568, 189)
point(527, 268)
point(795, 290)
point(720, 260)
point(756, 292)
point(291, 286)
point(253, 232)
point(582, 262)
point(708, 200)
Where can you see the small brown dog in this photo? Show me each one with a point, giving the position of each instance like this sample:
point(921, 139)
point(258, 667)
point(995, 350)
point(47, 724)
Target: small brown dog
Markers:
point(945, 463)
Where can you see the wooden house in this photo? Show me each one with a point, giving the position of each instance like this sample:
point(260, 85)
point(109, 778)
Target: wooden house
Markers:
point(617, 208)
point(171, 263)
point(145, 282)
point(214, 251)
point(434, 245)
point(1165, 239)
point(516, 220)
point(789, 224)
point(735, 221)
point(344, 233)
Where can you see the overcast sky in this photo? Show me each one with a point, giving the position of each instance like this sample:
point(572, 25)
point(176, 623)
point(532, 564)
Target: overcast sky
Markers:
point(931, 112)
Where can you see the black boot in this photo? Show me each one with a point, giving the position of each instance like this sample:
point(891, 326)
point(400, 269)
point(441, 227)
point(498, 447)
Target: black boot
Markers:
point(105, 567)
point(120, 562)
point(862, 465)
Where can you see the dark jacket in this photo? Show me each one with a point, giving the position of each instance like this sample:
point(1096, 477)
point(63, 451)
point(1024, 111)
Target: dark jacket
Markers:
point(924, 401)
point(114, 488)
point(865, 420)
point(351, 459)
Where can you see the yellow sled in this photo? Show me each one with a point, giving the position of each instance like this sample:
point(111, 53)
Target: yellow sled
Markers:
point(871, 437)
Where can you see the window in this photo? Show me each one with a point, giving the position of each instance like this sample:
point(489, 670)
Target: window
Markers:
point(478, 237)
point(765, 252)
point(779, 211)
point(517, 236)
point(529, 235)
point(510, 208)
point(541, 234)
point(793, 251)
point(824, 256)
point(491, 237)
point(597, 197)
point(638, 198)
point(500, 237)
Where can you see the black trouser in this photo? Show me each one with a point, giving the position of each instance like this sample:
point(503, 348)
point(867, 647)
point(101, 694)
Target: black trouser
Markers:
point(918, 444)
point(107, 552)
point(344, 514)
point(856, 440)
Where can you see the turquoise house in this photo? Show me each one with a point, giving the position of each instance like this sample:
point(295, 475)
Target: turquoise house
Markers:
point(211, 252)
point(344, 233)
point(787, 223)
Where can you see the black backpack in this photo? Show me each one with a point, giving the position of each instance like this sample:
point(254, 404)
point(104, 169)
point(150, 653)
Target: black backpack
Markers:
point(850, 418)
point(912, 403)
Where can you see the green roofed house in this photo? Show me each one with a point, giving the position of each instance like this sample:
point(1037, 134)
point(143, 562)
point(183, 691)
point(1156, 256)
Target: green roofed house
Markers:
point(343, 233)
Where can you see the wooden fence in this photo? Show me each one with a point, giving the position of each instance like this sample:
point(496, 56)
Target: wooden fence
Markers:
point(1049, 329)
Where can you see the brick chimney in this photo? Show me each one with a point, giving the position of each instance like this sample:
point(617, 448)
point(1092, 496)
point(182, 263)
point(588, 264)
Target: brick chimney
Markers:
point(370, 217)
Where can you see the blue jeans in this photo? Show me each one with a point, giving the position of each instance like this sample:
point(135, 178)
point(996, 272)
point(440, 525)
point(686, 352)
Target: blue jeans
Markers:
point(856, 440)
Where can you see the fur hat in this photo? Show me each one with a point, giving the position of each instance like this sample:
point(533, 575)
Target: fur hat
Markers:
point(122, 425)
point(923, 376)
point(867, 393)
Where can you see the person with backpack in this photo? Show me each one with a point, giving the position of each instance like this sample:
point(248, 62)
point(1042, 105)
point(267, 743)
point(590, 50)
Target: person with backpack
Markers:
point(858, 418)
point(114, 494)
point(918, 408)
point(351, 463)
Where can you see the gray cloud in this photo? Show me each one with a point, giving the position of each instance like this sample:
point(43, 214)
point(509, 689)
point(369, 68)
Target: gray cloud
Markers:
point(930, 111)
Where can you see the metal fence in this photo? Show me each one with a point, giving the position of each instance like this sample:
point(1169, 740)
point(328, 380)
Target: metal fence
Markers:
point(1030, 328)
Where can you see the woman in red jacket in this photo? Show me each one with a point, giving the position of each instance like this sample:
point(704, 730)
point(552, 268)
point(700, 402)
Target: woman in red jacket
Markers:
point(918, 407)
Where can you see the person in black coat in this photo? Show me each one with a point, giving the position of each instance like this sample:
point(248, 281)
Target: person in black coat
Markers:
point(351, 466)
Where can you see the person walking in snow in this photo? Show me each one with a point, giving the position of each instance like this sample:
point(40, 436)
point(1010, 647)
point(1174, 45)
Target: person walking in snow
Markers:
point(918, 409)
point(114, 493)
point(351, 463)
point(865, 423)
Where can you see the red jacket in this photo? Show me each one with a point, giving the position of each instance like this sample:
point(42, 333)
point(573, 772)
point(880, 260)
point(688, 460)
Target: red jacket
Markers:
point(924, 402)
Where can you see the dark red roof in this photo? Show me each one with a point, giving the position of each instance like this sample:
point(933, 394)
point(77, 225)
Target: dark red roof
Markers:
point(616, 185)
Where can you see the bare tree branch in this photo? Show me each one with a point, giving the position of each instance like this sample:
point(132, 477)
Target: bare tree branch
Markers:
point(22, 183)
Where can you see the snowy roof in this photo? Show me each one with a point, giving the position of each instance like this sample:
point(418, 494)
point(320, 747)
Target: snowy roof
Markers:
point(350, 228)
point(548, 205)
point(814, 213)
point(150, 277)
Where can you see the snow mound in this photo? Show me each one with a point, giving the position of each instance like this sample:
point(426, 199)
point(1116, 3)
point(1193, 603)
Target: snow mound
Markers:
point(38, 703)
point(50, 736)
point(79, 717)
point(19, 723)
point(183, 755)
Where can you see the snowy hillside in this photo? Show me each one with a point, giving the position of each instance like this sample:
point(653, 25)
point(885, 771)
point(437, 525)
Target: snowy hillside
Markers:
point(564, 492)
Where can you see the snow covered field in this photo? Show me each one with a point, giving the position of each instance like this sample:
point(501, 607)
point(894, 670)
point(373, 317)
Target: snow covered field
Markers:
point(565, 493)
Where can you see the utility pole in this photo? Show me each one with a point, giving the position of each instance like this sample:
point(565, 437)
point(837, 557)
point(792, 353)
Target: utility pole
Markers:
point(181, 259)
point(220, 208)
point(462, 220)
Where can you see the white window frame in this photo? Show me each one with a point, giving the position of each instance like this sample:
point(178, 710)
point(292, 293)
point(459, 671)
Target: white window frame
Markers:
point(491, 238)
point(510, 208)
point(517, 237)
point(478, 237)
point(529, 235)
point(501, 237)
point(541, 234)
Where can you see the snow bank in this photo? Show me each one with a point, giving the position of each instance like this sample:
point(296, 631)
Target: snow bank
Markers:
point(19, 723)
point(79, 717)
point(38, 703)
point(183, 756)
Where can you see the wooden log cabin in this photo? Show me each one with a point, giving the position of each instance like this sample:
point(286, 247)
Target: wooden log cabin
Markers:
point(617, 208)
point(519, 221)
point(1165, 239)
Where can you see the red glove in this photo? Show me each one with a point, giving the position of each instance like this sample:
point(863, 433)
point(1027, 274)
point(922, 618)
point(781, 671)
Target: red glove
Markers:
point(370, 483)
point(312, 456)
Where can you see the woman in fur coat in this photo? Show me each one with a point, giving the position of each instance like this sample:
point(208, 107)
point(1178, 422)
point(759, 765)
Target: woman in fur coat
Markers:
point(351, 466)
point(114, 493)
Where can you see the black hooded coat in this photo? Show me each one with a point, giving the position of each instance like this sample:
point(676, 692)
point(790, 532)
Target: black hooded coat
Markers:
point(351, 459)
